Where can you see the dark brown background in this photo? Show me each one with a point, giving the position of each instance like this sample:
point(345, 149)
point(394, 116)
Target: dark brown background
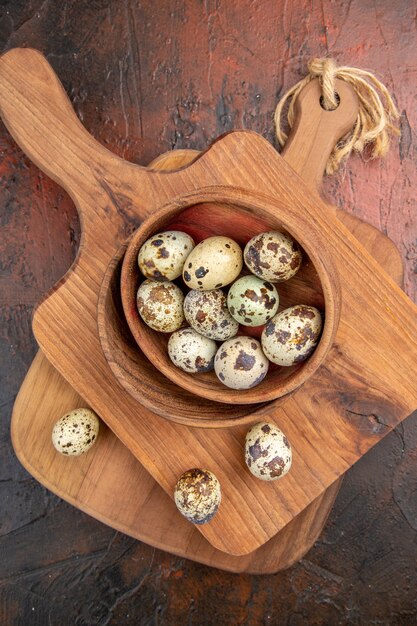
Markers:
point(146, 77)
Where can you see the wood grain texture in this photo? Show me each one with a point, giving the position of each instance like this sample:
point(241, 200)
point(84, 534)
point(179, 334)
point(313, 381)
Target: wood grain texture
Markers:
point(142, 509)
point(315, 134)
point(204, 69)
point(361, 357)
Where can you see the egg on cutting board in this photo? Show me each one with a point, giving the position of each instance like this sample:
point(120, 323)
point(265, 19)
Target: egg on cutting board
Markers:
point(273, 256)
point(162, 256)
point(268, 453)
point(207, 313)
point(197, 495)
point(252, 301)
point(214, 263)
point(160, 305)
point(75, 432)
point(291, 336)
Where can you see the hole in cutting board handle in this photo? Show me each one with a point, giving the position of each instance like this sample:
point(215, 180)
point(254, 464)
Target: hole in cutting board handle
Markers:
point(336, 107)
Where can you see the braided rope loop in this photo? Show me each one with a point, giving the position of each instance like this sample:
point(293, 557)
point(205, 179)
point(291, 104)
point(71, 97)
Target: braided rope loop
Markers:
point(375, 124)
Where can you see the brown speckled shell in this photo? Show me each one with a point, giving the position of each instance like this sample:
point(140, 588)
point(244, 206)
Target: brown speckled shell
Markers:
point(214, 263)
point(75, 432)
point(292, 336)
point(197, 495)
point(207, 313)
point(240, 363)
point(273, 256)
point(162, 256)
point(160, 305)
point(252, 301)
point(268, 453)
point(191, 352)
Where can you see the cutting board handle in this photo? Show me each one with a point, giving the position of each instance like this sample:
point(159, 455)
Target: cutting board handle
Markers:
point(112, 196)
point(38, 113)
point(316, 131)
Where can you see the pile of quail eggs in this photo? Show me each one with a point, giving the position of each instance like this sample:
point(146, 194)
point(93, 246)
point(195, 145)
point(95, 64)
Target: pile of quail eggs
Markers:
point(208, 314)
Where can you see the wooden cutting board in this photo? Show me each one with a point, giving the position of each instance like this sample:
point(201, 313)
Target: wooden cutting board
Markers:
point(142, 509)
point(110, 484)
point(331, 421)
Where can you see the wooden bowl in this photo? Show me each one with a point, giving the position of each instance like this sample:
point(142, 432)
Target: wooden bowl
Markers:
point(137, 374)
point(239, 215)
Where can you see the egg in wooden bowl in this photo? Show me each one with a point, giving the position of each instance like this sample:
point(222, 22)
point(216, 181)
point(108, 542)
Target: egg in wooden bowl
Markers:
point(202, 398)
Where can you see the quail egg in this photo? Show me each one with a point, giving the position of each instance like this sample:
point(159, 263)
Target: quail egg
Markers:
point(273, 256)
point(75, 432)
point(240, 363)
point(191, 352)
point(268, 452)
point(197, 495)
point(207, 313)
point(291, 336)
point(213, 263)
point(160, 305)
point(252, 301)
point(162, 257)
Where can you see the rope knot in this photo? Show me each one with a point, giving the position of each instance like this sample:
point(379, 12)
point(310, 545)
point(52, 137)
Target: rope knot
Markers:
point(325, 70)
point(375, 121)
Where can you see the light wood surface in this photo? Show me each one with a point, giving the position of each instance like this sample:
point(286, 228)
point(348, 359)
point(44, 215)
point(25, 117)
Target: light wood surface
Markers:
point(314, 137)
point(328, 421)
point(141, 508)
point(307, 152)
point(110, 484)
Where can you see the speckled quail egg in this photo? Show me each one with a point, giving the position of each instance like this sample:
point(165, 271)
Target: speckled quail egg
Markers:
point(191, 352)
point(197, 495)
point(75, 432)
point(291, 336)
point(273, 256)
point(252, 301)
point(207, 313)
point(268, 452)
point(162, 256)
point(160, 305)
point(213, 263)
point(240, 363)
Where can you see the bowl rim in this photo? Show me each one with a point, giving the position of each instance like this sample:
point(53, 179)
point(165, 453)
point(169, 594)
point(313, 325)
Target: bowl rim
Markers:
point(260, 205)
